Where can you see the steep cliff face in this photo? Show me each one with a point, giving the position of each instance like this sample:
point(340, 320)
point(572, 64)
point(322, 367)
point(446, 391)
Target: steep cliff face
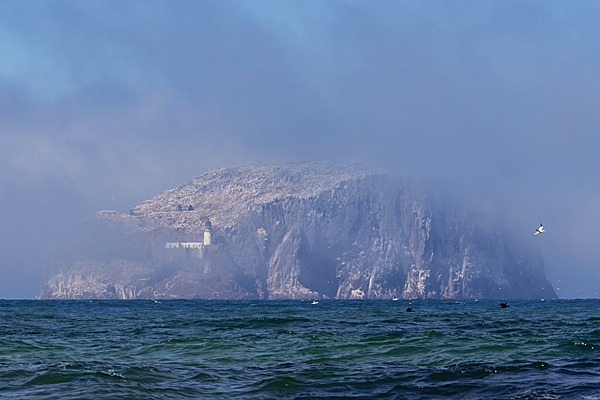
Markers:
point(313, 230)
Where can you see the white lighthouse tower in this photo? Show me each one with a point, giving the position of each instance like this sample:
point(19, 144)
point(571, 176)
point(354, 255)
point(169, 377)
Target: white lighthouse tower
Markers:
point(207, 234)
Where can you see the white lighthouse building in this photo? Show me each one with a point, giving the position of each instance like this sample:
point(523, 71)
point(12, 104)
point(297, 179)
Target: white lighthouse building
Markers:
point(192, 250)
point(207, 233)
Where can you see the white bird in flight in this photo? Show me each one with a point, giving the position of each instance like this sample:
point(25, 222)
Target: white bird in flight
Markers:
point(539, 230)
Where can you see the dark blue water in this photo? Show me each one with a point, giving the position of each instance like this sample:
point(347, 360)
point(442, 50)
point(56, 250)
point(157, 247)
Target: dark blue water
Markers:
point(296, 349)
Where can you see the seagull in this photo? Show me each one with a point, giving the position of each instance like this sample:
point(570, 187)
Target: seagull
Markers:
point(539, 230)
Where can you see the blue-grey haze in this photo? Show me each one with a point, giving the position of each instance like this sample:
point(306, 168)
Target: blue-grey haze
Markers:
point(106, 103)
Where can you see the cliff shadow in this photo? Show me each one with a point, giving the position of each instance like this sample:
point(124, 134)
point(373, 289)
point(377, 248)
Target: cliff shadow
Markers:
point(317, 269)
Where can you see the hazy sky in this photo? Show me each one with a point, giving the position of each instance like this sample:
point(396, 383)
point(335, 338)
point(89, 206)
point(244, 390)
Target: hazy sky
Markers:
point(106, 103)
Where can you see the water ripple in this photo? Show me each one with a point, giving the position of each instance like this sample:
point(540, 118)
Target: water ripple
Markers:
point(290, 350)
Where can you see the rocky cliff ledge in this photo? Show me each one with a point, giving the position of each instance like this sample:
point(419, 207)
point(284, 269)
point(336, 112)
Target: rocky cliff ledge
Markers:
point(295, 231)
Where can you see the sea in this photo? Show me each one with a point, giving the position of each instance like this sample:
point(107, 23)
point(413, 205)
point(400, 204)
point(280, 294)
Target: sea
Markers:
point(325, 349)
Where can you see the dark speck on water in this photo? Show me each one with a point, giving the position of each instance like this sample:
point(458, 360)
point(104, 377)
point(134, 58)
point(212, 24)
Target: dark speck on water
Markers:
point(292, 349)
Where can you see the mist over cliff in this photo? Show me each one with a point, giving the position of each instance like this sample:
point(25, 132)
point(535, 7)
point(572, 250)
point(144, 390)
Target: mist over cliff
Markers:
point(296, 231)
